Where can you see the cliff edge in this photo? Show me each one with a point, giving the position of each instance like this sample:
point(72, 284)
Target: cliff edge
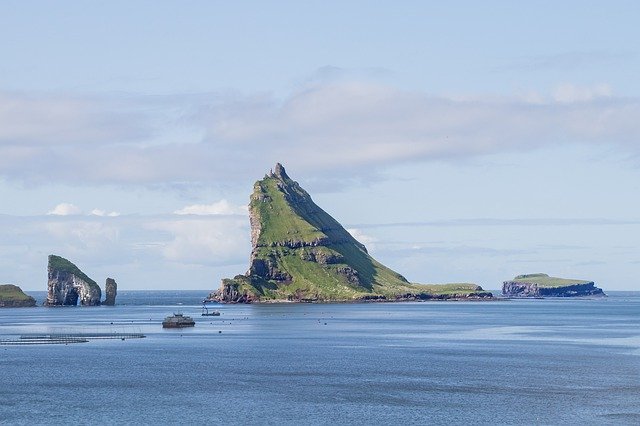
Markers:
point(300, 253)
point(542, 285)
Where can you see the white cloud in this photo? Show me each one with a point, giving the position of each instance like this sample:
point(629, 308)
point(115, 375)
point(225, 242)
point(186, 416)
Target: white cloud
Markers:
point(48, 119)
point(568, 93)
point(65, 209)
point(99, 212)
point(204, 241)
point(343, 127)
point(83, 235)
point(222, 207)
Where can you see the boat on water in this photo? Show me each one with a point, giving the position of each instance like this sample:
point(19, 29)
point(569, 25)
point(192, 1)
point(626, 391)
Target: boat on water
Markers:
point(206, 313)
point(178, 321)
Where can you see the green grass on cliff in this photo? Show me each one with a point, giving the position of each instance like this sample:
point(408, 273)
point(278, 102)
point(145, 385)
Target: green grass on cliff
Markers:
point(63, 265)
point(278, 221)
point(10, 292)
point(452, 288)
point(544, 280)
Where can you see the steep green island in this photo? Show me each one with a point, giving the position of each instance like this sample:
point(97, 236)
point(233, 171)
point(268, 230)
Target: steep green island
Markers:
point(300, 253)
point(12, 296)
point(542, 285)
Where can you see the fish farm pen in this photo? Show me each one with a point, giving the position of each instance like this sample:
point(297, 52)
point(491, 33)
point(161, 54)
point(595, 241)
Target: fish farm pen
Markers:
point(65, 338)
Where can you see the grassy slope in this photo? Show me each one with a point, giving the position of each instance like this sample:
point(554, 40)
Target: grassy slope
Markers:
point(63, 265)
point(278, 221)
point(10, 292)
point(305, 221)
point(544, 280)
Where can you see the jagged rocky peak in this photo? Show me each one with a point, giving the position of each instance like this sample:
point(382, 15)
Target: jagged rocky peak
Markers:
point(280, 172)
point(67, 284)
point(543, 285)
point(300, 253)
point(110, 291)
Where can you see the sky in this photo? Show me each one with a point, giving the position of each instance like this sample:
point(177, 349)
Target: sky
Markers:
point(459, 141)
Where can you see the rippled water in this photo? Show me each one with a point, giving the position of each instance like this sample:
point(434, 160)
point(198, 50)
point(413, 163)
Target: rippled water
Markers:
point(507, 362)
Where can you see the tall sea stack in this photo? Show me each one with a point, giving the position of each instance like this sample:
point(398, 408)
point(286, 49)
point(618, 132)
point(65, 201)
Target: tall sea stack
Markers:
point(110, 291)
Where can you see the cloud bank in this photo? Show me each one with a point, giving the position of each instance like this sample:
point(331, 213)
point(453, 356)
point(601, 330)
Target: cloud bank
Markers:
point(330, 126)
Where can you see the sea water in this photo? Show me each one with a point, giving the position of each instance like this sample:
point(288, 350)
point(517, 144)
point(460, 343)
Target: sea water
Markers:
point(567, 361)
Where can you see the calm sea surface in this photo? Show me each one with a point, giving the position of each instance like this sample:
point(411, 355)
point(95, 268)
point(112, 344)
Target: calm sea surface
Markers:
point(508, 362)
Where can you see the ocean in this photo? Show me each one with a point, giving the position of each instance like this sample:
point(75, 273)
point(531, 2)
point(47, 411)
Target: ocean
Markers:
point(568, 361)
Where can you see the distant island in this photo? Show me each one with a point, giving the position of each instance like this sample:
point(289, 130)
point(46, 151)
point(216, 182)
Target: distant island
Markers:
point(542, 285)
point(302, 254)
point(12, 296)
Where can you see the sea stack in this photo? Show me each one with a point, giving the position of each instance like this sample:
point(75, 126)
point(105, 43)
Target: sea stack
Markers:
point(300, 253)
point(67, 283)
point(542, 285)
point(12, 296)
point(110, 291)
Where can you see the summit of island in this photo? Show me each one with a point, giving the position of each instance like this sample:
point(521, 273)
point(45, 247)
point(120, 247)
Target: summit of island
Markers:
point(302, 254)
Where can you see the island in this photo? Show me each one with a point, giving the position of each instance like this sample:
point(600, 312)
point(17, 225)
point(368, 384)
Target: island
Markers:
point(12, 296)
point(542, 285)
point(301, 254)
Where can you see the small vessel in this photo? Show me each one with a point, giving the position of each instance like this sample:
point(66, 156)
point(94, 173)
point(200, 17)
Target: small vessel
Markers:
point(178, 321)
point(206, 313)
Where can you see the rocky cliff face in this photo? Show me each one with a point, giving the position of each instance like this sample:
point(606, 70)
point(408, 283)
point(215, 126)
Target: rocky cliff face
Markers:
point(300, 253)
point(12, 296)
point(67, 284)
point(542, 285)
point(110, 290)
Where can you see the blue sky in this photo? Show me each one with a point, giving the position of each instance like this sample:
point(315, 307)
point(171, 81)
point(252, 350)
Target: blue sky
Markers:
point(460, 141)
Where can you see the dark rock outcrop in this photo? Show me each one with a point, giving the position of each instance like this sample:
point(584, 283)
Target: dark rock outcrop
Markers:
point(67, 284)
point(542, 285)
point(231, 292)
point(12, 296)
point(110, 291)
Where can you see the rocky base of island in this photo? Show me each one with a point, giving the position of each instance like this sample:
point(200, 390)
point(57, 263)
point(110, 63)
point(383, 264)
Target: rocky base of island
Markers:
point(236, 291)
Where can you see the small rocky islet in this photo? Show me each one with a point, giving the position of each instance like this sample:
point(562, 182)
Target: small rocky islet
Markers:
point(542, 285)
